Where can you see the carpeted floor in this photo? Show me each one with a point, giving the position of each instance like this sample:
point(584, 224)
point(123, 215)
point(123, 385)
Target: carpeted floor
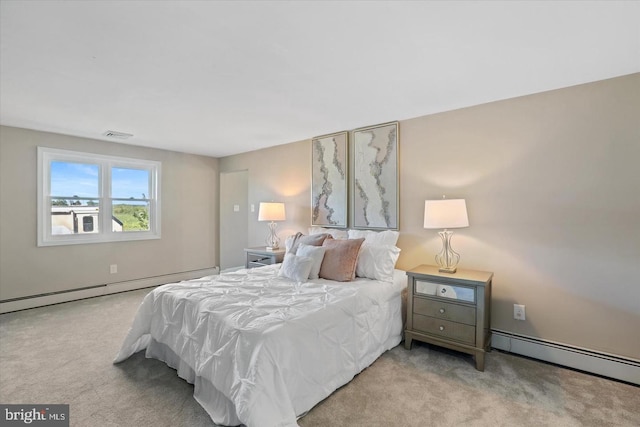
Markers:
point(63, 354)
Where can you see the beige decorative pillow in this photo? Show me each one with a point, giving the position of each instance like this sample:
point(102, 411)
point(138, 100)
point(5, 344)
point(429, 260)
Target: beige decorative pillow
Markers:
point(336, 233)
point(293, 242)
point(340, 259)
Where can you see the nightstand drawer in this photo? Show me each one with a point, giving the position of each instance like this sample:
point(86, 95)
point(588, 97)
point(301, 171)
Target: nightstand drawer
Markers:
point(444, 310)
point(443, 290)
point(258, 257)
point(259, 260)
point(445, 329)
point(254, 264)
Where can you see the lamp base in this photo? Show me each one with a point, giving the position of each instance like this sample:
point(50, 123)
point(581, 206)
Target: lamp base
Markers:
point(272, 241)
point(447, 259)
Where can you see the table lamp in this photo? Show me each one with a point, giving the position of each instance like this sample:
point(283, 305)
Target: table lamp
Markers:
point(271, 211)
point(445, 214)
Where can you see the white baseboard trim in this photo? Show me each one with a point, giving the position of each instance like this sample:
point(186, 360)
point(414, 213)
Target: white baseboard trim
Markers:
point(99, 290)
point(607, 365)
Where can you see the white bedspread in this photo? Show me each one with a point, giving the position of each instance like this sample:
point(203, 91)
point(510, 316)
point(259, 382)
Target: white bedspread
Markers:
point(261, 349)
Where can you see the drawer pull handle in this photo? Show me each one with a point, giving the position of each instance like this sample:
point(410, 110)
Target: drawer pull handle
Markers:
point(442, 328)
point(441, 311)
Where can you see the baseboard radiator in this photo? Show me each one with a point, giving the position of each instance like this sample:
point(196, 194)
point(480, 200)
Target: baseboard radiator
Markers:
point(607, 365)
point(24, 303)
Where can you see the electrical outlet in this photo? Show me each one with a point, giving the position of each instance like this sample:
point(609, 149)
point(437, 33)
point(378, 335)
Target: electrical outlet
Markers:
point(113, 268)
point(518, 312)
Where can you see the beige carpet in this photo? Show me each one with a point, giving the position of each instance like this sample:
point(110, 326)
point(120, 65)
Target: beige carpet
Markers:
point(63, 354)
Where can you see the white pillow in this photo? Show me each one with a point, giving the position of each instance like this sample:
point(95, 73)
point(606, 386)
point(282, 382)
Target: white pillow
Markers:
point(316, 253)
point(387, 237)
point(288, 243)
point(336, 233)
point(377, 261)
point(296, 267)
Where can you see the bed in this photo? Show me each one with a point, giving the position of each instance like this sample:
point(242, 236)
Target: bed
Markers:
point(262, 349)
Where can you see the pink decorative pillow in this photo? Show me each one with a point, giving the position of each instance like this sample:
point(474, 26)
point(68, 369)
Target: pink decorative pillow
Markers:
point(340, 259)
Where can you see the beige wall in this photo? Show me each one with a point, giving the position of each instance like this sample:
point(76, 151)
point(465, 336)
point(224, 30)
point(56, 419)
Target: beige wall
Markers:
point(551, 182)
point(278, 174)
point(189, 221)
point(552, 185)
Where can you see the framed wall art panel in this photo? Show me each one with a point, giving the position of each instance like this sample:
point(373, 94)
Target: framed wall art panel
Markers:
point(329, 180)
point(375, 177)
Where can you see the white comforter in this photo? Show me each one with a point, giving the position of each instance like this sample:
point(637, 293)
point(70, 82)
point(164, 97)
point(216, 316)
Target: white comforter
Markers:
point(261, 349)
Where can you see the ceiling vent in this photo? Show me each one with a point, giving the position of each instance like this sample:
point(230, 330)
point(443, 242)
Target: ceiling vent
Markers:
point(119, 135)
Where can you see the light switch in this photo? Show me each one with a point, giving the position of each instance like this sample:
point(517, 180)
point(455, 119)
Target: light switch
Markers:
point(236, 208)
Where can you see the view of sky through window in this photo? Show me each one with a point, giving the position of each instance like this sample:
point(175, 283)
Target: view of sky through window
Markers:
point(70, 179)
point(74, 179)
point(129, 183)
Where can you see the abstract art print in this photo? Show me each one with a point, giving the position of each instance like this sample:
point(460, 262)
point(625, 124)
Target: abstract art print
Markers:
point(375, 177)
point(329, 180)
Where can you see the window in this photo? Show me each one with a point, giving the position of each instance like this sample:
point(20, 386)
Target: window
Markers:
point(90, 198)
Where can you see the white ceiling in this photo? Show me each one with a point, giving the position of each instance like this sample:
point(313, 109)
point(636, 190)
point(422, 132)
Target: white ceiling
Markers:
point(219, 78)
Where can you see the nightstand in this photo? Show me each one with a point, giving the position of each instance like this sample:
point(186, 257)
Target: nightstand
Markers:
point(450, 310)
point(257, 257)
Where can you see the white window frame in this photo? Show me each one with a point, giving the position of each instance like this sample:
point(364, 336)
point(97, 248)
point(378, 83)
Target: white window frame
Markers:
point(105, 163)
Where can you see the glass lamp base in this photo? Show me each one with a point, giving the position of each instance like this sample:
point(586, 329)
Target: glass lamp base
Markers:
point(447, 259)
point(272, 241)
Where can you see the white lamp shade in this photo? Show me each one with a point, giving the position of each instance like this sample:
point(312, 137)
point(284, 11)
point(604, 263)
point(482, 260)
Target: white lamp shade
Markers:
point(445, 213)
point(271, 211)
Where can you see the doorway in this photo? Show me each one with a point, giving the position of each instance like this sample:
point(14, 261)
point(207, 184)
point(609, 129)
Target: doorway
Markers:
point(234, 218)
